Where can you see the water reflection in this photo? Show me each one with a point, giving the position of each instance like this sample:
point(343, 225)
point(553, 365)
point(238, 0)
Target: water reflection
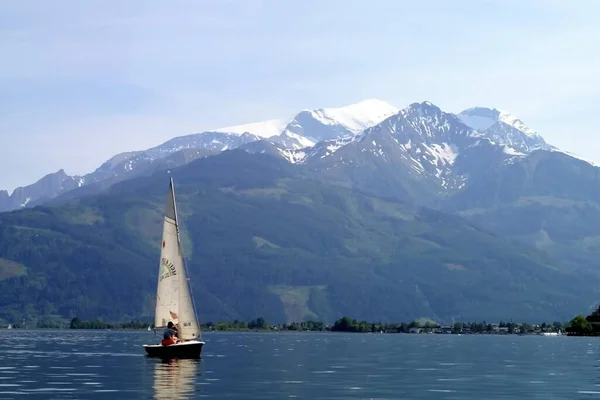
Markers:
point(174, 379)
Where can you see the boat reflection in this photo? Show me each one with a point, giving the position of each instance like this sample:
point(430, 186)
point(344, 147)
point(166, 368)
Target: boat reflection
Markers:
point(175, 379)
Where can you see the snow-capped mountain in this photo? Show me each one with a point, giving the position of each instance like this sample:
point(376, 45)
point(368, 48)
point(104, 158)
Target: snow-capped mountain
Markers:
point(304, 130)
point(312, 126)
point(420, 152)
point(370, 145)
point(420, 143)
point(173, 153)
point(503, 128)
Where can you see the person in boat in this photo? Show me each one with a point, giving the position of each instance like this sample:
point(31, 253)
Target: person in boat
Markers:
point(175, 327)
point(170, 335)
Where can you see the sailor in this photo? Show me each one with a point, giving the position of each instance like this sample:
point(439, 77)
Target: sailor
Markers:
point(170, 334)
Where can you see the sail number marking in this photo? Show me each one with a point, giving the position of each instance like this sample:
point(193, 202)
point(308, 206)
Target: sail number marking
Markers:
point(169, 269)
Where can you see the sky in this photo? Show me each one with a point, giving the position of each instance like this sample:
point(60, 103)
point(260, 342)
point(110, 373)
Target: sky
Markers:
point(81, 81)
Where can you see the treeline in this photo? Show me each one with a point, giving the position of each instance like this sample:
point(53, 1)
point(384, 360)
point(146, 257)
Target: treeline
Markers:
point(255, 324)
point(77, 323)
point(344, 324)
point(348, 324)
point(259, 324)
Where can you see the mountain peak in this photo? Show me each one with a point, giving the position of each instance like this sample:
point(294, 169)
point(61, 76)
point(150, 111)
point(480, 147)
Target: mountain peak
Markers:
point(503, 128)
point(482, 118)
point(355, 117)
point(423, 106)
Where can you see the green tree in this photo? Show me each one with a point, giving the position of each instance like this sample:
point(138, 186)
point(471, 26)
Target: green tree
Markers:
point(525, 328)
point(344, 324)
point(75, 323)
point(458, 327)
point(580, 325)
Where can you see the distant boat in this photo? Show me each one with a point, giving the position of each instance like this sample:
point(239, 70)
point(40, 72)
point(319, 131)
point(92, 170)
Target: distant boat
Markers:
point(551, 333)
point(173, 293)
point(149, 328)
point(9, 326)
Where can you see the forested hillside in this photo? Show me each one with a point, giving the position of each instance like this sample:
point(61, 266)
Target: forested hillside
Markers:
point(264, 240)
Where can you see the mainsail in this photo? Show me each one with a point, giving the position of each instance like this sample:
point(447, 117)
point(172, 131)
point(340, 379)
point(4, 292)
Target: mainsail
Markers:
point(173, 298)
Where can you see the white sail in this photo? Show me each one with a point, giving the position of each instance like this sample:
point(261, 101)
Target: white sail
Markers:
point(173, 299)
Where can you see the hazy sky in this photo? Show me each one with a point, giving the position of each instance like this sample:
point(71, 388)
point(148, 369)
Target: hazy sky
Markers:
point(83, 80)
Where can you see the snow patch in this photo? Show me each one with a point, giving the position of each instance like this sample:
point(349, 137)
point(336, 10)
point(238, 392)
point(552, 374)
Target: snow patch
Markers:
point(355, 117)
point(444, 153)
point(329, 147)
point(264, 129)
point(417, 166)
point(298, 141)
point(516, 123)
point(292, 156)
point(511, 152)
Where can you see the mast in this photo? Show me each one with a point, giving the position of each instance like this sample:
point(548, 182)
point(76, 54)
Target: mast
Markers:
point(180, 247)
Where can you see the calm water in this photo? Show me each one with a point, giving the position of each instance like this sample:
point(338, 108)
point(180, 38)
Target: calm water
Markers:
point(94, 365)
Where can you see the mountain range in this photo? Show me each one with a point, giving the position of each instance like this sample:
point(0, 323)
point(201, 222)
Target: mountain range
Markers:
point(303, 130)
point(364, 210)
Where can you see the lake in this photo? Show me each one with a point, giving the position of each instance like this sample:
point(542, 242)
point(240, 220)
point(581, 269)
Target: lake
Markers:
point(112, 364)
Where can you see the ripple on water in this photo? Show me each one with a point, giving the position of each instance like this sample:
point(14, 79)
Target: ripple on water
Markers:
point(453, 379)
point(81, 374)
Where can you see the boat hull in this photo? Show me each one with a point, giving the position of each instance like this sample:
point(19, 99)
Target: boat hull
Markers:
point(188, 349)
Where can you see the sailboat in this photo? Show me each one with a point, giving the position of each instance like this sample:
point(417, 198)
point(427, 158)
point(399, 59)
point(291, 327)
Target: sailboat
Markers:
point(174, 300)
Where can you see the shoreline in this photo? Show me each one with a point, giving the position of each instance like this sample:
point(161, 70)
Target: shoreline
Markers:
point(274, 331)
